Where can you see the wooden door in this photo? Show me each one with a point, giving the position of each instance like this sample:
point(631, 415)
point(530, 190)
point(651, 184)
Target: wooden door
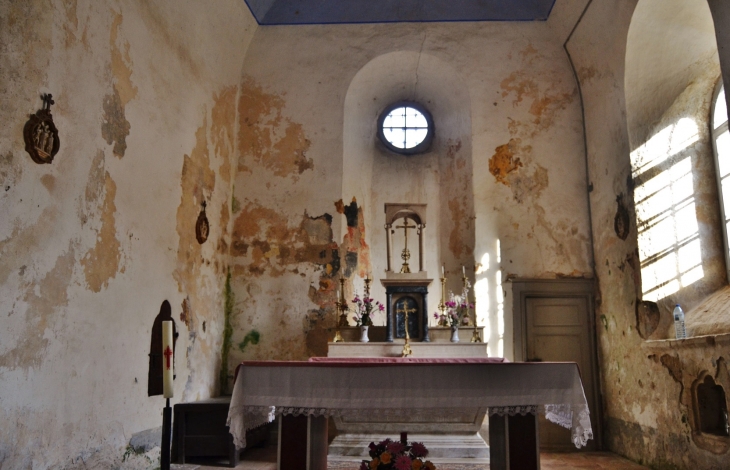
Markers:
point(558, 329)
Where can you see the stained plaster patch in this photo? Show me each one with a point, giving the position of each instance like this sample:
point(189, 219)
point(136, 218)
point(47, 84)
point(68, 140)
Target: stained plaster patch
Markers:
point(43, 298)
point(10, 172)
point(115, 127)
point(101, 263)
point(503, 162)
point(268, 139)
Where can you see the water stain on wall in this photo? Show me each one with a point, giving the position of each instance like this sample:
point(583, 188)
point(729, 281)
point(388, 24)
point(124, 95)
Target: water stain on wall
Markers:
point(264, 237)
point(10, 172)
point(44, 298)
point(544, 104)
point(101, 263)
point(222, 129)
point(503, 162)
point(266, 137)
point(115, 127)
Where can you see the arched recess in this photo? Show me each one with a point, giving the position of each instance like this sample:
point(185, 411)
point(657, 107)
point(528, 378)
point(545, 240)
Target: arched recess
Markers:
point(672, 66)
point(440, 177)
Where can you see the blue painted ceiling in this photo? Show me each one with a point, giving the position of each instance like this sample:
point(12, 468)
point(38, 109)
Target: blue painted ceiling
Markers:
point(292, 12)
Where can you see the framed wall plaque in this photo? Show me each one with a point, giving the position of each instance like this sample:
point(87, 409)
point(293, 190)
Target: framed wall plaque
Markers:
point(40, 134)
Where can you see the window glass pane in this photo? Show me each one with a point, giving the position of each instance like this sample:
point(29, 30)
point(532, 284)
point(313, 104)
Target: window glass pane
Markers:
point(397, 117)
point(723, 153)
point(720, 110)
point(415, 137)
point(396, 137)
point(416, 119)
point(726, 198)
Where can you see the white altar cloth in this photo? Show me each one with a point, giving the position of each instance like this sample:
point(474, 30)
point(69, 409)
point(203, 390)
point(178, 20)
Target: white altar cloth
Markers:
point(327, 387)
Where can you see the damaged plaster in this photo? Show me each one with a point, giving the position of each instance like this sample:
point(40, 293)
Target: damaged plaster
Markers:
point(267, 137)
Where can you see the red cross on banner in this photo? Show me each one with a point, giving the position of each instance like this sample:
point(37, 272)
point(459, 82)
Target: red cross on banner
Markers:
point(168, 356)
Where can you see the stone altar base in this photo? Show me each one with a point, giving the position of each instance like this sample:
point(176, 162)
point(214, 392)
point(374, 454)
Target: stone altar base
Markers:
point(464, 447)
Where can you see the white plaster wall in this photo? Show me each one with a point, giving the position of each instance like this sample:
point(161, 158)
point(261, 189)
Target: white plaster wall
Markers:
point(90, 243)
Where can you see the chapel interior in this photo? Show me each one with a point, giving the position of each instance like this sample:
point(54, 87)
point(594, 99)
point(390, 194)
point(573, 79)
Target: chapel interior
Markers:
point(225, 157)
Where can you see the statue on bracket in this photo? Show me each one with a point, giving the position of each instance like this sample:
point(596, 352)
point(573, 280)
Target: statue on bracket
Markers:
point(40, 134)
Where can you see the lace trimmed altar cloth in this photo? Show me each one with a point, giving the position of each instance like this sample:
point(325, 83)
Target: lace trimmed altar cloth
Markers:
point(393, 387)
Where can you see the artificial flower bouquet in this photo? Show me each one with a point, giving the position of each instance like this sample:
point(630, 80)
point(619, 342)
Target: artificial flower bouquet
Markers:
point(394, 455)
point(457, 309)
point(364, 307)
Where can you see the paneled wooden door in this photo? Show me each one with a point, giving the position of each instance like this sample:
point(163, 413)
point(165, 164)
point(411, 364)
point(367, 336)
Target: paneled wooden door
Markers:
point(554, 323)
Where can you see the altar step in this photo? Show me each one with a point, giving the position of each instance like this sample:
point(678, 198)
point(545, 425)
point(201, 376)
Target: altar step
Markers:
point(456, 448)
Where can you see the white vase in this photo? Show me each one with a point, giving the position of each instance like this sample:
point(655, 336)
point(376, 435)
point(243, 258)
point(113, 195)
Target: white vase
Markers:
point(454, 334)
point(364, 334)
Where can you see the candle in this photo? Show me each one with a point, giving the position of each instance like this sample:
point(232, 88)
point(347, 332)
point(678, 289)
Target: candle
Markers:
point(463, 271)
point(167, 359)
point(443, 274)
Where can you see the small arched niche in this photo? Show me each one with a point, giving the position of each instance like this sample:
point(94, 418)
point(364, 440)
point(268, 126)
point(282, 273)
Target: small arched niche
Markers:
point(440, 177)
point(710, 413)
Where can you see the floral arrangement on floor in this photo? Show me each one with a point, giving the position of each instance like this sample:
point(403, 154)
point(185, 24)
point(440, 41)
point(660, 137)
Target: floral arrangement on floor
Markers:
point(364, 309)
point(457, 309)
point(394, 455)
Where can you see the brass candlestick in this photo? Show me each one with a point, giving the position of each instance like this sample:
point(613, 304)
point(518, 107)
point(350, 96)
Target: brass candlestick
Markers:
point(442, 304)
point(465, 291)
point(367, 285)
point(342, 308)
point(405, 254)
point(407, 351)
point(476, 337)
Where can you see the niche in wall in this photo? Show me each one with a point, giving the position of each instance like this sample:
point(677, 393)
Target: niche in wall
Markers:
point(710, 412)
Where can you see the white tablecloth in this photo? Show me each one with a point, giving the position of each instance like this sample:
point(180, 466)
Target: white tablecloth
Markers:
point(264, 389)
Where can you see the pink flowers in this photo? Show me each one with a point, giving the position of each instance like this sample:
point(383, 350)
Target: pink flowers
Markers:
point(403, 462)
point(364, 309)
point(418, 449)
point(395, 447)
point(395, 455)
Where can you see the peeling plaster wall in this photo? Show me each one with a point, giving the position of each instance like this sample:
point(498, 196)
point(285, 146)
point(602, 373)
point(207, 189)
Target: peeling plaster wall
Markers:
point(92, 244)
point(645, 399)
point(307, 147)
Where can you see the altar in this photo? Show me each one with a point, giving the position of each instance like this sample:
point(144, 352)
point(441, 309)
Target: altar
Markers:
point(392, 387)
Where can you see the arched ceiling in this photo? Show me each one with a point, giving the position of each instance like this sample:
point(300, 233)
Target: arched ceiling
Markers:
point(292, 12)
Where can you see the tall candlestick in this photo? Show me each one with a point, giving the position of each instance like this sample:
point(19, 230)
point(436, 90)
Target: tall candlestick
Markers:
point(167, 359)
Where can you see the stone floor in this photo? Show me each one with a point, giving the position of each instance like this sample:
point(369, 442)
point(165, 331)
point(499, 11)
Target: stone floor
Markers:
point(265, 459)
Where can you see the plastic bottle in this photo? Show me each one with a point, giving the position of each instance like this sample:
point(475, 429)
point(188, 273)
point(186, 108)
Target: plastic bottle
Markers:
point(679, 329)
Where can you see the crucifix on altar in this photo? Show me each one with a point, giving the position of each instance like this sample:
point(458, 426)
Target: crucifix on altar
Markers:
point(406, 289)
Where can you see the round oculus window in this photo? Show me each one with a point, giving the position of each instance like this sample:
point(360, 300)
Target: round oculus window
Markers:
point(406, 128)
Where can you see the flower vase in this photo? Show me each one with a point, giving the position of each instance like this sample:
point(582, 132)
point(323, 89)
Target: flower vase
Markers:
point(364, 334)
point(454, 334)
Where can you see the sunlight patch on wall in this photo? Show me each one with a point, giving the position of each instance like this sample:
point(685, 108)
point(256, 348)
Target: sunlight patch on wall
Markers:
point(481, 295)
point(494, 325)
point(668, 232)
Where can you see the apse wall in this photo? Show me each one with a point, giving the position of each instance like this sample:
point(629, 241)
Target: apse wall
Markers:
point(434, 177)
point(302, 160)
point(93, 243)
